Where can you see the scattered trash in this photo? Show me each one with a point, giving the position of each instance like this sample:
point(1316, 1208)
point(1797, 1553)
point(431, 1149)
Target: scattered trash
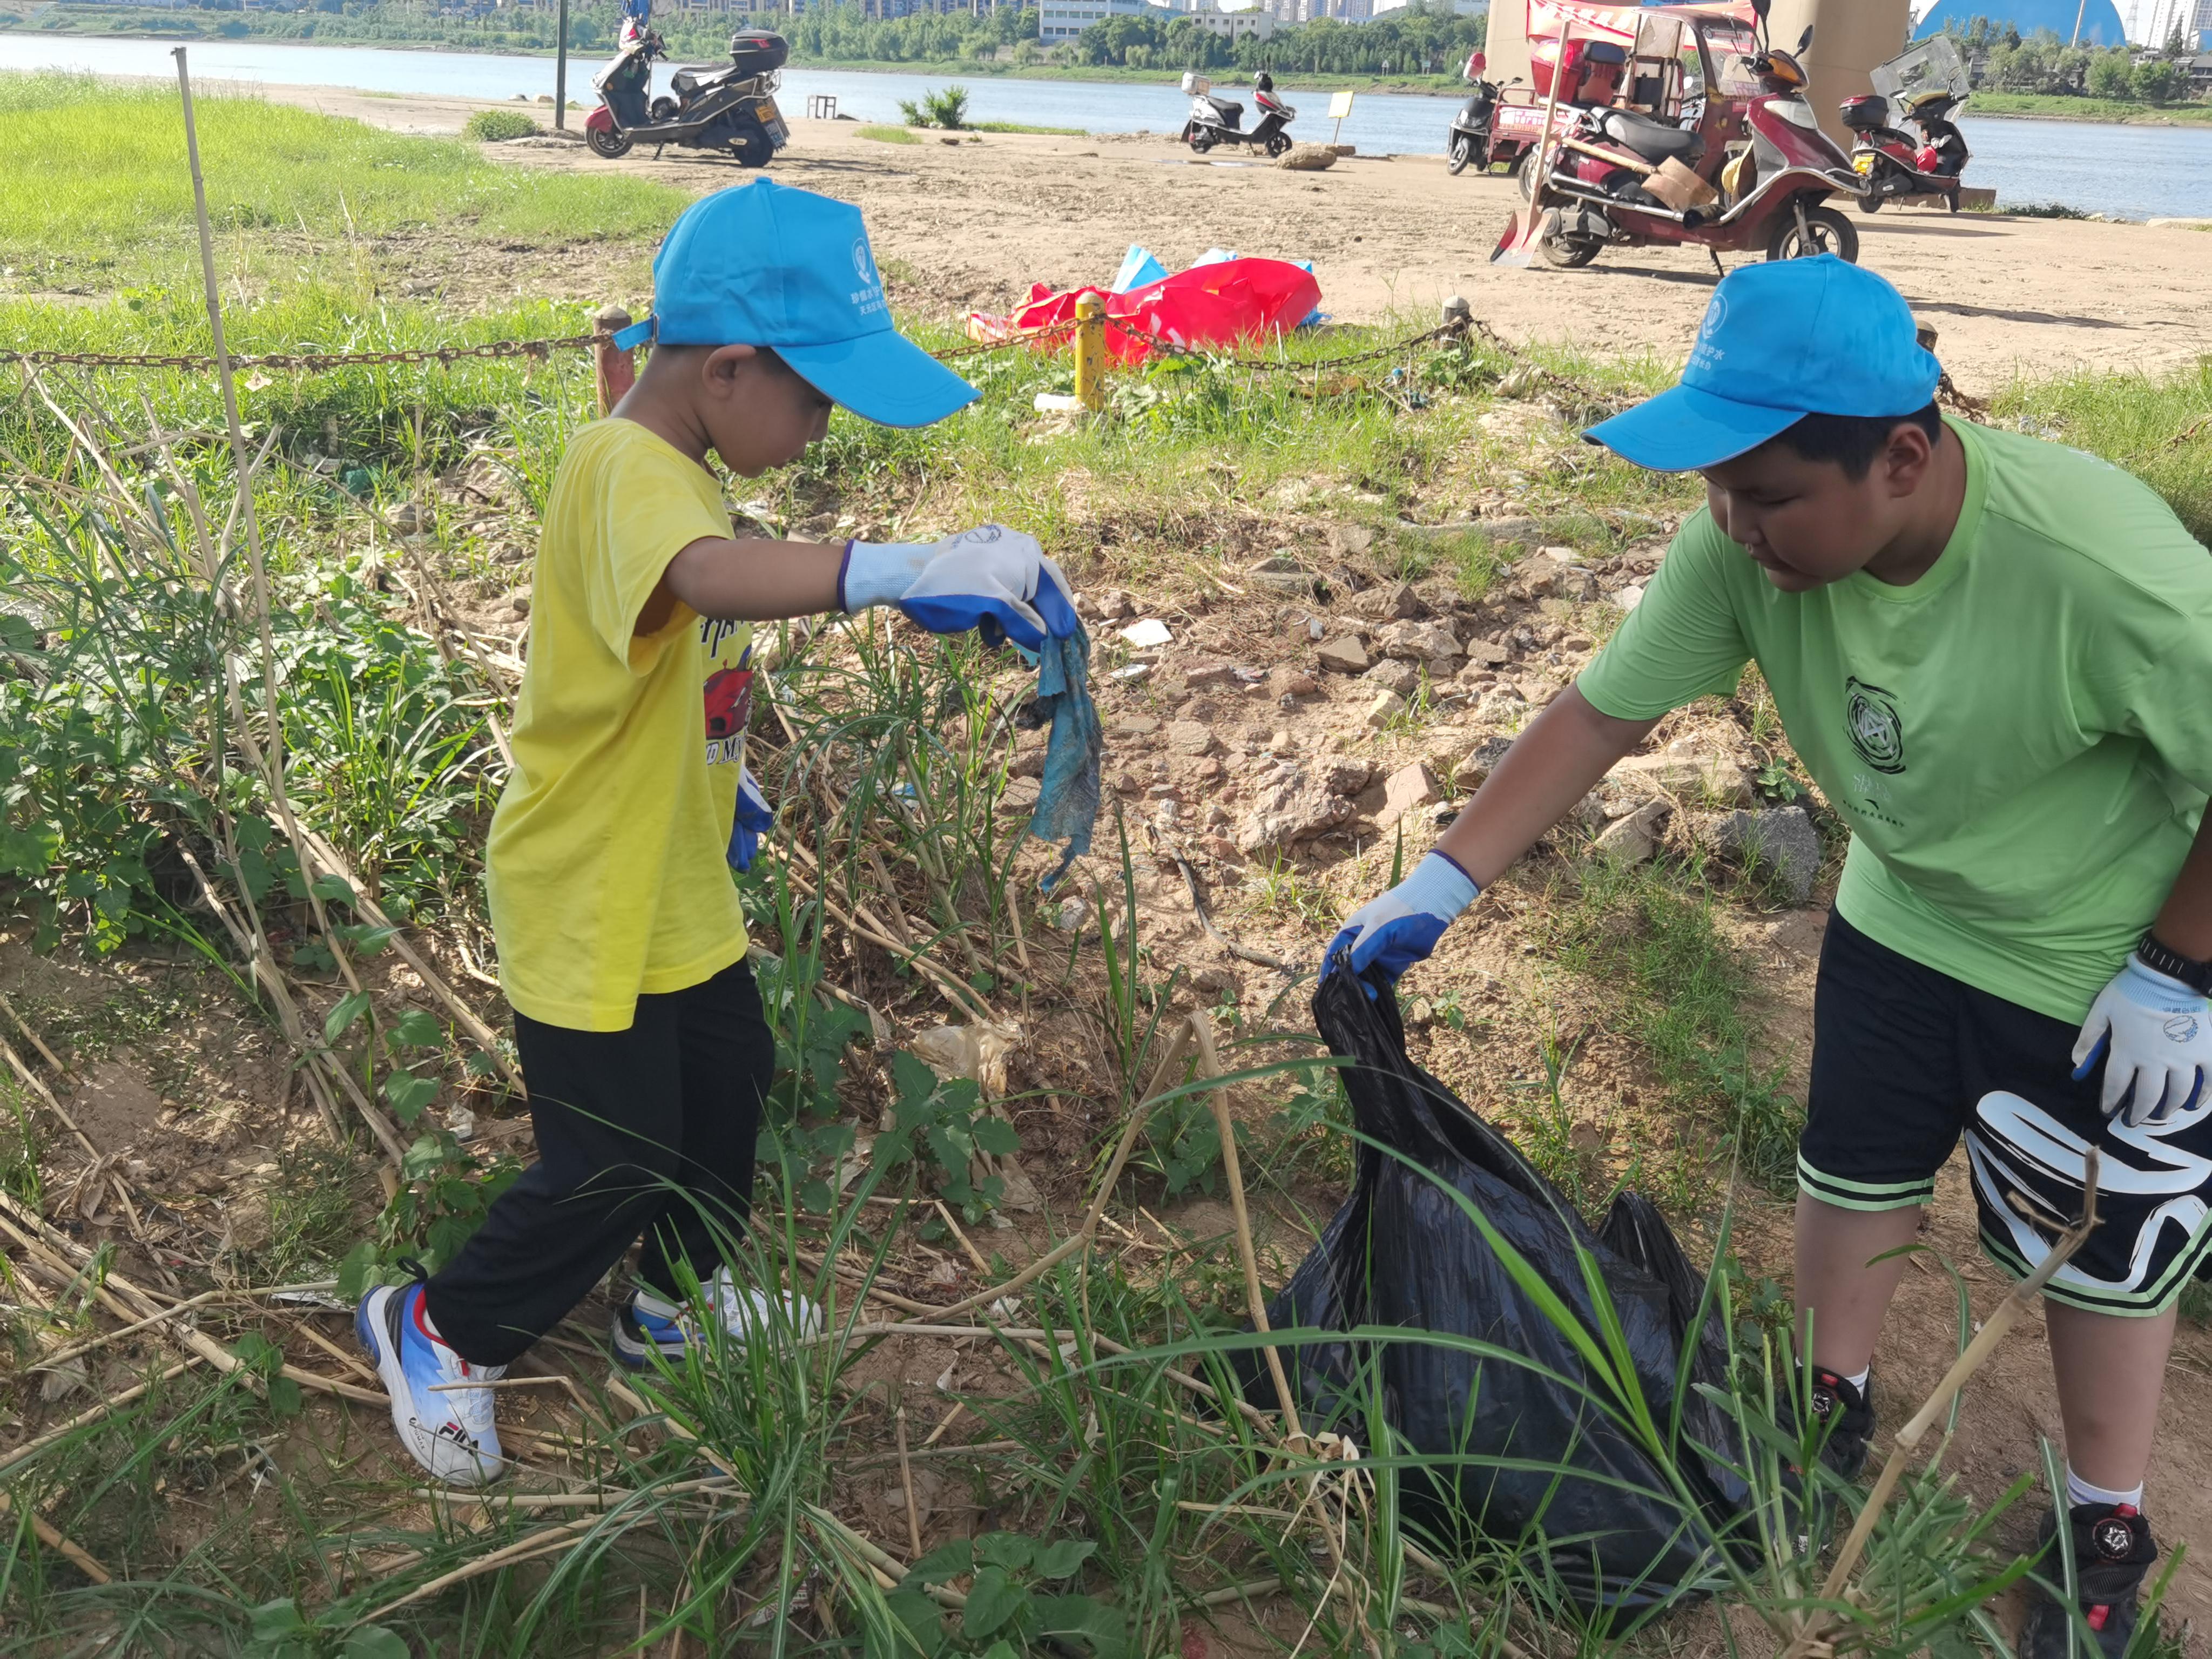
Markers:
point(1211, 305)
point(1133, 672)
point(1528, 1455)
point(1056, 403)
point(977, 1053)
point(1147, 635)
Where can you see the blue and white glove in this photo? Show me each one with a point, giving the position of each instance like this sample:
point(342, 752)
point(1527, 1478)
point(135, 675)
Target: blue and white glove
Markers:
point(879, 573)
point(2154, 1033)
point(1403, 925)
point(756, 818)
point(994, 580)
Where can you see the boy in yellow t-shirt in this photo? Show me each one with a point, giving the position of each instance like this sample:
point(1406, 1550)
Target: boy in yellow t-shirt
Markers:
point(622, 944)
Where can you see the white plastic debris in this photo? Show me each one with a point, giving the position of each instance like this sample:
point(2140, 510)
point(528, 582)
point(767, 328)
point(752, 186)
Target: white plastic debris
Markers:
point(1148, 633)
point(976, 1052)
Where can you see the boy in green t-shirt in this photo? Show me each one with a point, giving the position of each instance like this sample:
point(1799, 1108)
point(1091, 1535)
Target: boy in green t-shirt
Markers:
point(622, 943)
point(1993, 655)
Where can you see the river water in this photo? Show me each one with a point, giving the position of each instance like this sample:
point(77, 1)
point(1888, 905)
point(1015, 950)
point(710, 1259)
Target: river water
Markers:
point(2126, 171)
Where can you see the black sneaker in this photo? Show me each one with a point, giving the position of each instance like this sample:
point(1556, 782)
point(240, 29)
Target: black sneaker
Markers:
point(2113, 1551)
point(1843, 1420)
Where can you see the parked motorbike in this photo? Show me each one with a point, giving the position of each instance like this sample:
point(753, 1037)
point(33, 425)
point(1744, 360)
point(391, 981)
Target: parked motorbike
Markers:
point(714, 107)
point(1892, 163)
point(1218, 121)
point(1501, 124)
point(1618, 177)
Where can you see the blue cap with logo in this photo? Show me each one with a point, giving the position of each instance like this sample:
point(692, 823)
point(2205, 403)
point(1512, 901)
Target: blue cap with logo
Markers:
point(764, 264)
point(1780, 341)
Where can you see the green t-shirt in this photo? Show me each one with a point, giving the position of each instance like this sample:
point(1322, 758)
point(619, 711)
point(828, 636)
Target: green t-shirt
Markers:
point(2021, 740)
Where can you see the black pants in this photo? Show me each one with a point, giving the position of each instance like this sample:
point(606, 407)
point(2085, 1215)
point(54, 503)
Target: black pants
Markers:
point(619, 1116)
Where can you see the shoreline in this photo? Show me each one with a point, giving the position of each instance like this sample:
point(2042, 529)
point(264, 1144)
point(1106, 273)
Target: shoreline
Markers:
point(2172, 118)
point(1432, 86)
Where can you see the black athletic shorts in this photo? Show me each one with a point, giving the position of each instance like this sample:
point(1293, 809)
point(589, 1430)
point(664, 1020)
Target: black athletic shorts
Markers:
point(1906, 1057)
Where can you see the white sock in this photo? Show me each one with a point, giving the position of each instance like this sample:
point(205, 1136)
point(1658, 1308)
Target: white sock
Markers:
point(1859, 1381)
point(2079, 1491)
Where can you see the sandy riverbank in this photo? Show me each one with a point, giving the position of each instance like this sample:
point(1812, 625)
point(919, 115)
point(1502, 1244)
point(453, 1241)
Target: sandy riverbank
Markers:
point(975, 222)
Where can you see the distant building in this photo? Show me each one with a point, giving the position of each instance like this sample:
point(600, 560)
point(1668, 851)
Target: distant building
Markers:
point(1248, 22)
point(2201, 24)
point(1063, 20)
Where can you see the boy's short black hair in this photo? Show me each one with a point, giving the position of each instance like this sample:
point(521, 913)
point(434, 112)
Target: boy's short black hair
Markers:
point(1852, 441)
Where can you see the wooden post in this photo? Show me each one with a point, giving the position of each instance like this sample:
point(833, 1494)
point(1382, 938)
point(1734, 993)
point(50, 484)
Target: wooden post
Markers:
point(616, 371)
point(1091, 352)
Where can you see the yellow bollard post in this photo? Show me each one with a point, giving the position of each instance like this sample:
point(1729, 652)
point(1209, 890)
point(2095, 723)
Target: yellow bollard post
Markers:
point(1091, 352)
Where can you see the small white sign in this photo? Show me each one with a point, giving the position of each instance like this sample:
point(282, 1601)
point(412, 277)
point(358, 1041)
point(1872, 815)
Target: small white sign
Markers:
point(1339, 105)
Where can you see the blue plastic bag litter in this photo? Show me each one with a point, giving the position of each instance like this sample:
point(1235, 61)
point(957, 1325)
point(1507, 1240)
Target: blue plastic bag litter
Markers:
point(1139, 270)
point(1067, 805)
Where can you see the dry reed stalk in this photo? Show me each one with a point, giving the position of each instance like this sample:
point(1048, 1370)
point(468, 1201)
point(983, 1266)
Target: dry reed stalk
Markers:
point(171, 1312)
point(114, 1402)
point(34, 1039)
point(72, 1554)
point(906, 1484)
point(128, 1302)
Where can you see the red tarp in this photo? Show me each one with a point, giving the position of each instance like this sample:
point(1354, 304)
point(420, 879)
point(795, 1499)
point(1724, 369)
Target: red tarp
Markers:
point(1216, 305)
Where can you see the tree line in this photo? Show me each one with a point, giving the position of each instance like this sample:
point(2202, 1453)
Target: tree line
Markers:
point(2042, 63)
point(1414, 40)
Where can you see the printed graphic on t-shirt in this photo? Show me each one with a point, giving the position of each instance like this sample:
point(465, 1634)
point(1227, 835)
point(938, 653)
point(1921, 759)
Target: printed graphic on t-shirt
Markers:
point(1870, 717)
point(729, 695)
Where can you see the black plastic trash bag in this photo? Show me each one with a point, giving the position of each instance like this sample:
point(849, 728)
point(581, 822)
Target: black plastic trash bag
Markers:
point(1587, 1507)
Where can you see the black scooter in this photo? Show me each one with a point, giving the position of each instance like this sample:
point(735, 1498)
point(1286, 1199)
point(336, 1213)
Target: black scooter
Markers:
point(1218, 121)
point(1470, 128)
point(716, 106)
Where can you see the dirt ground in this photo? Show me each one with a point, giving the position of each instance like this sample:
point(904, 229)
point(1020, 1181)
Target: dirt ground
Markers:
point(977, 221)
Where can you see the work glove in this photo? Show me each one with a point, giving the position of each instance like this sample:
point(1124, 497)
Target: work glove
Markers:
point(2154, 1036)
point(995, 581)
point(756, 817)
point(1403, 925)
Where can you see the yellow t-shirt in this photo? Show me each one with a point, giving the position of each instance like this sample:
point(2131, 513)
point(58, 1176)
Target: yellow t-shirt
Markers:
point(606, 865)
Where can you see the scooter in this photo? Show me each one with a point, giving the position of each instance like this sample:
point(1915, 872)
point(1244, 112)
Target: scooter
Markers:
point(1472, 127)
point(1501, 125)
point(1892, 165)
point(1620, 177)
point(1217, 121)
point(715, 105)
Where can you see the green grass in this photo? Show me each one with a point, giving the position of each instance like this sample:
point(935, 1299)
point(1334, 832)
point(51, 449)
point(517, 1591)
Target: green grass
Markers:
point(1021, 126)
point(496, 126)
point(2128, 110)
point(98, 175)
point(1644, 938)
point(884, 135)
point(2158, 428)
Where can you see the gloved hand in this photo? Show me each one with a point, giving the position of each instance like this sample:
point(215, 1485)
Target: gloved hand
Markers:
point(1403, 925)
point(997, 582)
point(756, 817)
point(2153, 1032)
point(879, 573)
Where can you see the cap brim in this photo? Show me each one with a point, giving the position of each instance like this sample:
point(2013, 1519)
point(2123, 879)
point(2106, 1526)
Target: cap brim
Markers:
point(1686, 429)
point(883, 377)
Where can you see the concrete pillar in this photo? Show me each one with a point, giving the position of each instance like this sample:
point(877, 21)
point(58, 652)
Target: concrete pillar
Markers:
point(1850, 38)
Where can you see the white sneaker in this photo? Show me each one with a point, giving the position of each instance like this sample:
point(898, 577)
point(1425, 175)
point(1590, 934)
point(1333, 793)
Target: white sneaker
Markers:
point(647, 1324)
point(450, 1432)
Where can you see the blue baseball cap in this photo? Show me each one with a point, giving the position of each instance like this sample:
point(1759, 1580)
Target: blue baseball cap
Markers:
point(1780, 341)
point(763, 264)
